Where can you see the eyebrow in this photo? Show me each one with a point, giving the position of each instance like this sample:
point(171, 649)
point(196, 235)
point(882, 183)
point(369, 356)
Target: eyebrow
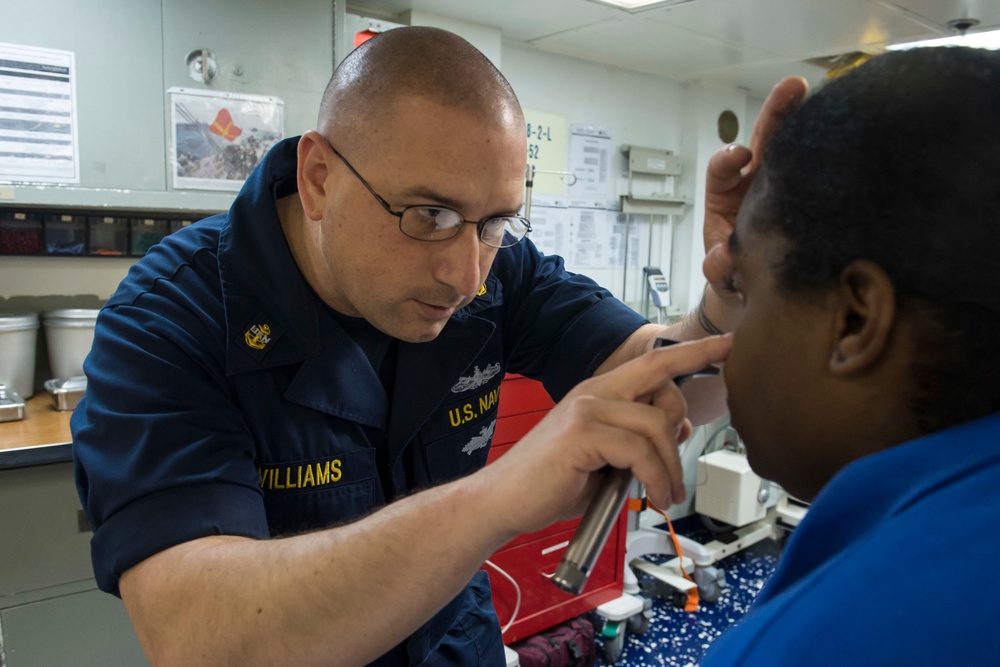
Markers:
point(422, 192)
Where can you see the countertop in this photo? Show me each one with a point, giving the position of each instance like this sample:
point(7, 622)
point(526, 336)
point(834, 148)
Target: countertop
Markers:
point(43, 436)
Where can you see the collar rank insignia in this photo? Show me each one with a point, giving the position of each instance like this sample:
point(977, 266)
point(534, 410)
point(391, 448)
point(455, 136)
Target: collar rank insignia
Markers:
point(259, 336)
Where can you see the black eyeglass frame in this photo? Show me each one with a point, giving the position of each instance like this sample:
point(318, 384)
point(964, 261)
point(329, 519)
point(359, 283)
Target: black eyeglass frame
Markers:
point(480, 224)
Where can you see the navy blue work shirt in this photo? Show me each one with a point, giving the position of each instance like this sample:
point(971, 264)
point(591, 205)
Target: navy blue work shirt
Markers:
point(225, 398)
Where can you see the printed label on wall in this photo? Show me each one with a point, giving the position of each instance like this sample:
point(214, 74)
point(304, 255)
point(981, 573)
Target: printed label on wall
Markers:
point(546, 150)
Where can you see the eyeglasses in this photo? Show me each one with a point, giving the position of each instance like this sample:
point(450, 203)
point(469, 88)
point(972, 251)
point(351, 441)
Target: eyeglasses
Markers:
point(438, 223)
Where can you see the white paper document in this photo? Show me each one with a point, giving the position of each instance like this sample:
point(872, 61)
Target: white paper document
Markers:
point(38, 133)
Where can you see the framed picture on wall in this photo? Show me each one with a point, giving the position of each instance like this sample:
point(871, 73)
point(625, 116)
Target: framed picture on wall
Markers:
point(216, 139)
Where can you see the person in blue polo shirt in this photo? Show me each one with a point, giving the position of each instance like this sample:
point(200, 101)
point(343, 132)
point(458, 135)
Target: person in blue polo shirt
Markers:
point(865, 374)
point(271, 387)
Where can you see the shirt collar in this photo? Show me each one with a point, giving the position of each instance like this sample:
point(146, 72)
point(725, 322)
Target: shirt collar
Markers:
point(271, 316)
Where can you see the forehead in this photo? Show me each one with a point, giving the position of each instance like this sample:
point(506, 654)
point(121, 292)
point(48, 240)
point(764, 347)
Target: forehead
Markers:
point(466, 161)
point(745, 232)
point(421, 115)
point(421, 131)
point(758, 246)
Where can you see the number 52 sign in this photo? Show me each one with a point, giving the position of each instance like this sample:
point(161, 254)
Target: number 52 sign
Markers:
point(547, 149)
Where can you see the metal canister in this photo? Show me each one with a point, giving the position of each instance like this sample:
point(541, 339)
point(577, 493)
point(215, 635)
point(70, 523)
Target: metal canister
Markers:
point(18, 335)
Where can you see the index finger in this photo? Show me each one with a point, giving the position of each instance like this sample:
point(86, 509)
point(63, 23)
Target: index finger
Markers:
point(642, 375)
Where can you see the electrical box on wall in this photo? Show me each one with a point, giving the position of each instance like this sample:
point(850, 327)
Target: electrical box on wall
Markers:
point(652, 161)
point(654, 166)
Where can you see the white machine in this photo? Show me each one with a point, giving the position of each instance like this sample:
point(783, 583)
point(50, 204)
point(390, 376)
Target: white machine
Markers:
point(659, 290)
point(657, 293)
point(742, 508)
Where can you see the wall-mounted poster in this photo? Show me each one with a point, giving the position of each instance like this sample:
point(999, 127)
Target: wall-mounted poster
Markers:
point(38, 138)
point(547, 151)
point(218, 138)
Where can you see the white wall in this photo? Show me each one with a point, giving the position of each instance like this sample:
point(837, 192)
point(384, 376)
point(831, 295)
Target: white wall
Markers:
point(485, 38)
point(703, 104)
point(72, 276)
point(637, 109)
point(643, 110)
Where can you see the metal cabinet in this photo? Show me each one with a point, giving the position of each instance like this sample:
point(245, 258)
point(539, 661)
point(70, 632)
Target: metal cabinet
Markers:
point(51, 612)
point(83, 629)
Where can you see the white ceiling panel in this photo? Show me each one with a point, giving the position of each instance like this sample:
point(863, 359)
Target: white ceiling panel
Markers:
point(761, 78)
point(793, 29)
point(747, 43)
point(939, 12)
point(519, 20)
point(646, 46)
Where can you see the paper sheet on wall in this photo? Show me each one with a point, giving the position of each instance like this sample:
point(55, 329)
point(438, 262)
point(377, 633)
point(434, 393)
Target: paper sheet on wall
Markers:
point(590, 161)
point(587, 238)
point(580, 226)
point(598, 240)
point(38, 133)
point(551, 227)
point(619, 222)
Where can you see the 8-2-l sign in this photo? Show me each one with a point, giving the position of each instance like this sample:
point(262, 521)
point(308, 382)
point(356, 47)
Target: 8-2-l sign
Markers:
point(547, 149)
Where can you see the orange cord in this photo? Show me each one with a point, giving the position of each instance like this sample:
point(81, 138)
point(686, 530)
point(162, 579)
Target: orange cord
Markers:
point(692, 598)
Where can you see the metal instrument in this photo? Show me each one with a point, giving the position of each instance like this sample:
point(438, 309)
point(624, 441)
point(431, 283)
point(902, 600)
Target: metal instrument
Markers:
point(588, 541)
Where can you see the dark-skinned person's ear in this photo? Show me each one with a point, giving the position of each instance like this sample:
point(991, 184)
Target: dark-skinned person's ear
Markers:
point(865, 312)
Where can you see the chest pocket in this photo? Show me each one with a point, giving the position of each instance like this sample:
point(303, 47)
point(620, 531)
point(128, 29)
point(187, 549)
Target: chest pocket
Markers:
point(321, 492)
point(457, 438)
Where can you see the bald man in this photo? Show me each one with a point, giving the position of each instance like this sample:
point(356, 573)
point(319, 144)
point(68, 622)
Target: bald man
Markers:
point(267, 385)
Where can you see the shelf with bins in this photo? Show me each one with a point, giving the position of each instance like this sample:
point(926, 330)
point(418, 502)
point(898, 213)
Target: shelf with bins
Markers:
point(63, 232)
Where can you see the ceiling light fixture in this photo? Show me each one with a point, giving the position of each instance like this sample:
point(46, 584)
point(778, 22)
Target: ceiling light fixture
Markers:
point(634, 6)
point(989, 39)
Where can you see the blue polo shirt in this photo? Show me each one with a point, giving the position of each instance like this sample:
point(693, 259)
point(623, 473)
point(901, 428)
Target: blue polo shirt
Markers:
point(225, 398)
point(893, 564)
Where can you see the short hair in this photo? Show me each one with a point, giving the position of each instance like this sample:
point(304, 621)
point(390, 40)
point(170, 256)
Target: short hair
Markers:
point(415, 61)
point(898, 162)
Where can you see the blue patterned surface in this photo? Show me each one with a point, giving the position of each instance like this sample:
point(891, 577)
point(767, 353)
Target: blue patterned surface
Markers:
point(677, 638)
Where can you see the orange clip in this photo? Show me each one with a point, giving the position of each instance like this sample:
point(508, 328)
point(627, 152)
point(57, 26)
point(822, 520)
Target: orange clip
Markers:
point(637, 504)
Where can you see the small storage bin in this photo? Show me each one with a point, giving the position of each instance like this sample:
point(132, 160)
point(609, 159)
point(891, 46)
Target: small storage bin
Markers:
point(147, 232)
point(65, 234)
point(108, 236)
point(20, 233)
point(18, 333)
point(66, 392)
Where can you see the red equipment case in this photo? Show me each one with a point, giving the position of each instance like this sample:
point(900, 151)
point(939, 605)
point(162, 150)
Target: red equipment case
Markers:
point(529, 558)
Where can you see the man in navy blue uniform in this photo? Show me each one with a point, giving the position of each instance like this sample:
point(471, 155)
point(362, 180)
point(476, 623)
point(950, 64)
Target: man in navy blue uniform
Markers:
point(267, 385)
